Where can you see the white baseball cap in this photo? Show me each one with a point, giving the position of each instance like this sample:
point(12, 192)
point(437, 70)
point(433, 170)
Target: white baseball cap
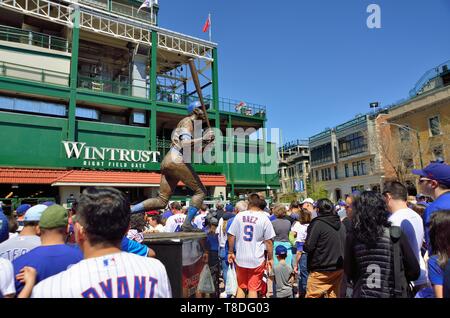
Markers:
point(34, 213)
point(308, 200)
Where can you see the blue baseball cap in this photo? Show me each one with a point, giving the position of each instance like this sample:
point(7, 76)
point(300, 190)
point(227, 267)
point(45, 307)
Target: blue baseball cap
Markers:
point(21, 209)
point(48, 203)
point(34, 213)
point(4, 227)
point(280, 250)
point(229, 208)
point(437, 171)
point(195, 105)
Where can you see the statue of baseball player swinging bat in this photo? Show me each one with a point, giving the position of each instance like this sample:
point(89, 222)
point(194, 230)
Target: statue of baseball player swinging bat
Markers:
point(173, 167)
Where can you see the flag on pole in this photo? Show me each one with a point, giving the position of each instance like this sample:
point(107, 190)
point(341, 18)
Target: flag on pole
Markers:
point(207, 24)
point(147, 4)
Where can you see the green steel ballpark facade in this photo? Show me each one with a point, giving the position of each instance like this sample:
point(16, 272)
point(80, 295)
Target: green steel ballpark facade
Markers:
point(90, 92)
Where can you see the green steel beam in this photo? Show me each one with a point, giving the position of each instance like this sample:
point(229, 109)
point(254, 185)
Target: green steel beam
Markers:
point(153, 105)
point(215, 86)
point(34, 88)
point(112, 128)
point(230, 166)
point(74, 75)
point(62, 55)
point(32, 120)
point(90, 96)
point(153, 65)
point(245, 117)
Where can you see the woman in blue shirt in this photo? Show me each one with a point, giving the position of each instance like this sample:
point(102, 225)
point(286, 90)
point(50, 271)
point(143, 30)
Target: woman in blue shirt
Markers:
point(440, 246)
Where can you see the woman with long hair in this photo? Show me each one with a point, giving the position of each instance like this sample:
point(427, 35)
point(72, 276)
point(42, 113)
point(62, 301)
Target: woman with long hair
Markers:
point(440, 247)
point(282, 228)
point(300, 229)
point(374, 251)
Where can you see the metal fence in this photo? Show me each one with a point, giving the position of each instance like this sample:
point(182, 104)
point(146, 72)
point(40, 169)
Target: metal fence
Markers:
point(34, 38)
point(139, 88)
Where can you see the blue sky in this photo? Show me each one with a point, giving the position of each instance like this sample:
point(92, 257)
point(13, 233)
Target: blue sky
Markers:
point(315, 63)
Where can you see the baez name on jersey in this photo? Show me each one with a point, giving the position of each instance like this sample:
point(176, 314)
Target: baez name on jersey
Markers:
point(143, 287)
point(249, 219)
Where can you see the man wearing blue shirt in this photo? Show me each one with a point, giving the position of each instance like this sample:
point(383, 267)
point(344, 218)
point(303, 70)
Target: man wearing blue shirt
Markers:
point(53, 256)
point(434, 181)
point(4, 226)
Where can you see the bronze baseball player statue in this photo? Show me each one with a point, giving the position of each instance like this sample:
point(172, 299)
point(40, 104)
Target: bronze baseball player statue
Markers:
point(175, 169)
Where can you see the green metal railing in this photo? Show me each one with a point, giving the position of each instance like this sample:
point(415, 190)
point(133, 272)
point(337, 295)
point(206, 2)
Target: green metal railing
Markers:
point(124, 9)
point(33, 73)
point(115, 87)
point(132, 12)
point(352, 123)
point(10, 34)
point(179, 98)
point(225, 104)
point(96, 3)
point(243, 108)
point(320, 135)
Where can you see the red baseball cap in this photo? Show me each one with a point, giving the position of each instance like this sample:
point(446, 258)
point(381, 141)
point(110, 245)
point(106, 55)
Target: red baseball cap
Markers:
point(152, 212)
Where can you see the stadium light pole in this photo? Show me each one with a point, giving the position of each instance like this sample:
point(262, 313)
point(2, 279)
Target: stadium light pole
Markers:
point(417, 136)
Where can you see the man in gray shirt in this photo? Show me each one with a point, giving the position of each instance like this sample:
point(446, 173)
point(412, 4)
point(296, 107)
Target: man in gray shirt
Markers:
point(27, 239)
point(284, 274)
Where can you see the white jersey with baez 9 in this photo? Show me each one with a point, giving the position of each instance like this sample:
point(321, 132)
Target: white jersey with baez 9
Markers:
point(174, 223)
point(251, 229)
point(119, 275)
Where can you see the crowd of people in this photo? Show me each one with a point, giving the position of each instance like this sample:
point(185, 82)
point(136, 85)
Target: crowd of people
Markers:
point(393, 244)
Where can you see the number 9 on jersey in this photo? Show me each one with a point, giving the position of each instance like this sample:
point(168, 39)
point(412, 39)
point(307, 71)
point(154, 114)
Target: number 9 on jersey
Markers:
point(248, 233)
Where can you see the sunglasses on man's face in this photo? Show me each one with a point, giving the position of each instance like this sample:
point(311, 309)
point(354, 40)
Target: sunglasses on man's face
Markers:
point(422, 180)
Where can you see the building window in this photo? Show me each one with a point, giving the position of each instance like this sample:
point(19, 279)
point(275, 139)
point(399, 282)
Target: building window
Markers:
point(346, 170)
point(363, 168)
point(326, 174)
point(87, 113)
point(438, 153)
point(372, 165)
point(321, 154)
point(352, 144)
point(404, 133)
point(359, 168)
point(138, 117)
point(32, 106)
point(359, 187)
point(336, 173)
point(317, 175)
point(435, 126)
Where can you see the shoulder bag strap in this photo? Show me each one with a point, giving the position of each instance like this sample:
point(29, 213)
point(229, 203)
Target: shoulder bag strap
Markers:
point(395, 239)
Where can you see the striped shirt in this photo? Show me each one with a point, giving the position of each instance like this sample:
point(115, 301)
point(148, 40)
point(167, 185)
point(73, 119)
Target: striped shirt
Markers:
point(199, 220)
point(119, 275)
point(174, 222)
point(251, 229)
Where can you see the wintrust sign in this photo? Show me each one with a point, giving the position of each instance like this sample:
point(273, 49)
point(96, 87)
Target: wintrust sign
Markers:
point(104, 157)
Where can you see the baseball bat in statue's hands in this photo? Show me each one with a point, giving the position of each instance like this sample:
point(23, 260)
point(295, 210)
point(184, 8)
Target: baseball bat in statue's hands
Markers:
point(198, 89)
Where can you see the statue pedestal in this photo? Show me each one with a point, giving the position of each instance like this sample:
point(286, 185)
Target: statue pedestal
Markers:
point(182, 255)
